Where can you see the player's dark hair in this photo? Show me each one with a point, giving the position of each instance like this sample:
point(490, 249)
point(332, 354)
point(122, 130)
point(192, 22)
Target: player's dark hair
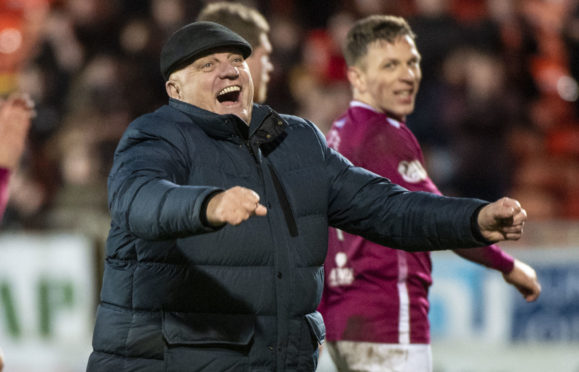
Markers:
point(370, 29)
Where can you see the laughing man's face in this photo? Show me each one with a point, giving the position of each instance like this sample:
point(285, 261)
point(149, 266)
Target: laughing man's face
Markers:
point(219, 82)
point(388, 76)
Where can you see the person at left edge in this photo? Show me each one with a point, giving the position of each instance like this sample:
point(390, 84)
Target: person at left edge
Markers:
point(16, 113)
point(220, 210)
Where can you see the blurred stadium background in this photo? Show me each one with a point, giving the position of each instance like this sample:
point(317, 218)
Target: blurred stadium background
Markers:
point(497, 114)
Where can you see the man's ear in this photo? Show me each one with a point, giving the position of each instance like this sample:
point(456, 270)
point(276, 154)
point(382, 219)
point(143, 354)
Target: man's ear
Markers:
point(356, 78)
point(172, 89)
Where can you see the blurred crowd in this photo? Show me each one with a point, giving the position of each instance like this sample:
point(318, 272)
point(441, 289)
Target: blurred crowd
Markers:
point(497, 114)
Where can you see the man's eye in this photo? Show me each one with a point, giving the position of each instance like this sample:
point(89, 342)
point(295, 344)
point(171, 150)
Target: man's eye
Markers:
point(205, 66)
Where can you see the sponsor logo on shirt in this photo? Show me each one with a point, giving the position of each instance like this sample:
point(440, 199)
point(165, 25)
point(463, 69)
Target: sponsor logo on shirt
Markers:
point(341, 275)
point(412, 171)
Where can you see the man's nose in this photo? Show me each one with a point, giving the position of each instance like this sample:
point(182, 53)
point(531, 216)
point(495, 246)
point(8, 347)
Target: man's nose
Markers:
point(229, 71)
point(409, 73)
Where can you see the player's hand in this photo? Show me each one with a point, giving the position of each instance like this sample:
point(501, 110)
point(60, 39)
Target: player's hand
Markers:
point(502, 220)
point(233, 206)
point(524, 278)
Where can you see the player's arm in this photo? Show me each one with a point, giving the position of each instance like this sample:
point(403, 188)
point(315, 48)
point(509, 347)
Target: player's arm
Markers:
point(515, 272)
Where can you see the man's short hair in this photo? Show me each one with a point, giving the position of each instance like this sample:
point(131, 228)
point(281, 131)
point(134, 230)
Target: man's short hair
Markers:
point(246, 21)
point(370, 29)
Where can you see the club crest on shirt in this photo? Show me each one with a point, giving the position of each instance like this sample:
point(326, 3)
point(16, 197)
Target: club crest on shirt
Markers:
point(341, 275)
point(333, 139)
point(412, 171)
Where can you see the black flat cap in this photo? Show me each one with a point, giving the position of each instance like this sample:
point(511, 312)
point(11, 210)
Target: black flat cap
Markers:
point(195, 40)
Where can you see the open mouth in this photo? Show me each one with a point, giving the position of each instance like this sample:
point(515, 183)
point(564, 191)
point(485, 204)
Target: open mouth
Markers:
point(229, 94)
point(405, 96)
point(406, 93)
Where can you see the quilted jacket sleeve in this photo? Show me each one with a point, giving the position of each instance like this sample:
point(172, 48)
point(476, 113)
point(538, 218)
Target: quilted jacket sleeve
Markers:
point(363, 203)
point(148, 195)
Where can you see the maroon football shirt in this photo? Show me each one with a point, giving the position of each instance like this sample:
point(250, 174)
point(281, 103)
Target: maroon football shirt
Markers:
point(373, 293)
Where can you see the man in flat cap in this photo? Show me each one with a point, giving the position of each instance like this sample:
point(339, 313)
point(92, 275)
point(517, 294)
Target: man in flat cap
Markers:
point(220, 209)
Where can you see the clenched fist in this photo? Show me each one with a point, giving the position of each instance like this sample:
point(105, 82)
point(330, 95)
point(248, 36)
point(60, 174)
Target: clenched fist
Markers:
point(502, 220)
point(233, 206)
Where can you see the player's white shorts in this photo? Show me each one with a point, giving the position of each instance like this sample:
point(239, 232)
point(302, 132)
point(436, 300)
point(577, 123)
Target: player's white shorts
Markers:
point(350, 356)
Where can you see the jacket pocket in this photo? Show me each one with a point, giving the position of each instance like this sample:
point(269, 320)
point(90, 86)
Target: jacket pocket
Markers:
point(207, 342)
point(316, 323)
point(207, 329)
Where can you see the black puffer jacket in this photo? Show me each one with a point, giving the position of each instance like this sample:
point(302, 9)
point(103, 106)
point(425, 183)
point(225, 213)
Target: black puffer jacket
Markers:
point(179, 296)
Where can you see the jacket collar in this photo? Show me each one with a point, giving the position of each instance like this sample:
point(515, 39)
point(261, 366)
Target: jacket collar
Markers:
point(265, 126)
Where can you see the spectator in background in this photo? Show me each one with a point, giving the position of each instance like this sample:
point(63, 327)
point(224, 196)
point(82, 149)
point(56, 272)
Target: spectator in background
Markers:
point(253, 27)
point(375, 300)
point(318, 83)
point(15, 115)
point(477, 111)
point(439, 34)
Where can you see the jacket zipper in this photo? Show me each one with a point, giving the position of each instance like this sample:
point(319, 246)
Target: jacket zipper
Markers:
point(281, 194)
point(285, 205)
